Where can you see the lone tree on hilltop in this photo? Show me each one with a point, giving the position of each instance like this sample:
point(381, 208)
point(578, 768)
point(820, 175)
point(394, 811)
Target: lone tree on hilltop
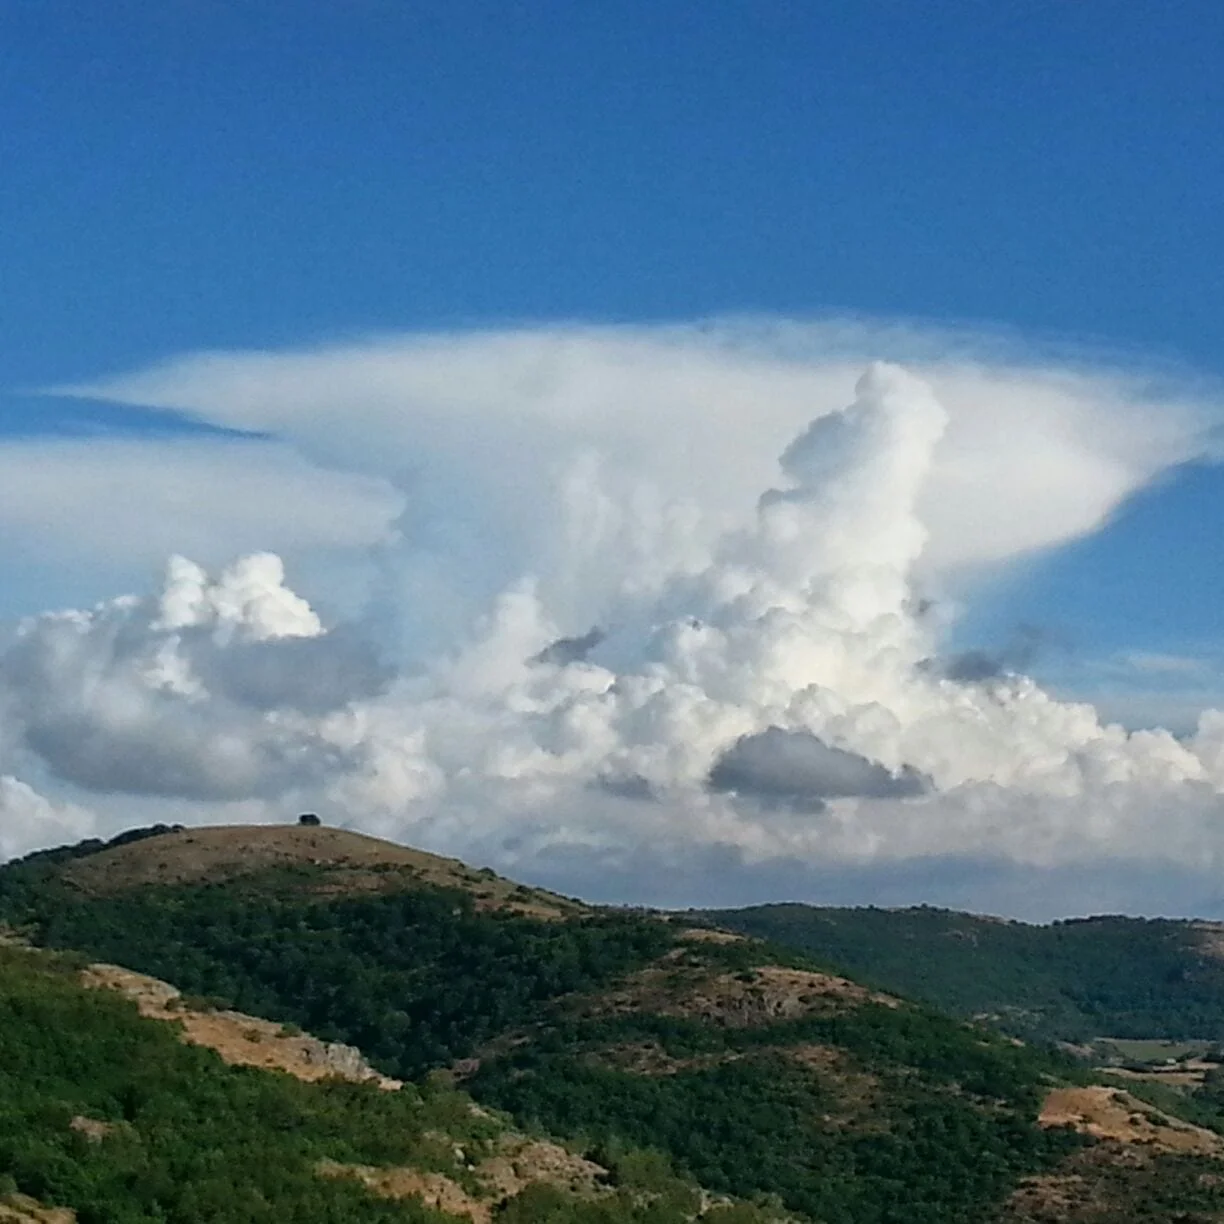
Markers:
point(309, 820)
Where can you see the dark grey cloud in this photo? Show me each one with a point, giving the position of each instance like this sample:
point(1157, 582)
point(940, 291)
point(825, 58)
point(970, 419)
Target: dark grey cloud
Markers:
point(571, 649)
point(626, 786)
point(173, 750)
point(86, 699)
point(799, 770)
point(974, 666)
point(312, 675)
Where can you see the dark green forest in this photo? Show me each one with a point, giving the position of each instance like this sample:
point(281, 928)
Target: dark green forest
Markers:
point(188, 1138)
point(1072, 981)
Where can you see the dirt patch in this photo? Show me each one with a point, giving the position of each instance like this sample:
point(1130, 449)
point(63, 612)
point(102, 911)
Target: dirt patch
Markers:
point(241, 1040)
point(1108, 1113)
point(18, 1209)
point(433, 1189)
point(736, 1000)
point(521, 1162)
point(517, 1163)
point(709, 935)
point(93, 1129)
point(1210, 938)
point(351, 863)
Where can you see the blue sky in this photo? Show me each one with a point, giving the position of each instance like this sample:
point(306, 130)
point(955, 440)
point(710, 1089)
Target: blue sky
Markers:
point(196, 175)
point(200, 174)
point(392, 217)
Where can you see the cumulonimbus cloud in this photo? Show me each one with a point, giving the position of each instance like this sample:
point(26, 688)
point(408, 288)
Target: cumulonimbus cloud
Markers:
point(659, 590)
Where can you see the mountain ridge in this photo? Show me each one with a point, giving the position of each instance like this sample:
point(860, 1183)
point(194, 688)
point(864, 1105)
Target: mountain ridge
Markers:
point(1074, 980)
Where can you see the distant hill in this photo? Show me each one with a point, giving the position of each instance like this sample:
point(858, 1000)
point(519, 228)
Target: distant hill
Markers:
point(1072, 981)
point(680, 1063)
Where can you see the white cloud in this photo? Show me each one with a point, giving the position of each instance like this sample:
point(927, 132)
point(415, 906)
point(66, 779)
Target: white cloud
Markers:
point(30, 821)
point(192, 694)
point(656, 439)
point(754, 551)
point(122, 505)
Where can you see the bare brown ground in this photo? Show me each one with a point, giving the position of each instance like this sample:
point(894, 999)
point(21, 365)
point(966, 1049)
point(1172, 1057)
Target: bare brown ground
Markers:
point(709, 935)
point(1210, 938)
point(735, 1000)
point(93, 1129)
point(1108, 1113)
point(241, 1040)
point(354, 863)
point(433, 1189)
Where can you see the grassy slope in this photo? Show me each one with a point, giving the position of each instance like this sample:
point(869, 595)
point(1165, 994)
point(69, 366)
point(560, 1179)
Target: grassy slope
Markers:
point(1072, 981)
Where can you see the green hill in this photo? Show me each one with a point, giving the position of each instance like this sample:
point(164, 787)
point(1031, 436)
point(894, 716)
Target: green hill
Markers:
point(669, 1055)
point(1072, 981)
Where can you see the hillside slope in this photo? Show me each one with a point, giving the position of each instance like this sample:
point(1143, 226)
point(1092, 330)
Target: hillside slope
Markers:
point(1072, 981)
point(754, 1071)
point(110, 1112)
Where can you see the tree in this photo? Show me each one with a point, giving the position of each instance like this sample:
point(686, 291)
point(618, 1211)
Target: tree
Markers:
point(309, 820)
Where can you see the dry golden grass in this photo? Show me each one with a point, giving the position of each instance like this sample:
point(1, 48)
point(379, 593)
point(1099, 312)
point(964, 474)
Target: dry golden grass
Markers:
point(18, 1209)
point(350, 862)
point(1109, 1113)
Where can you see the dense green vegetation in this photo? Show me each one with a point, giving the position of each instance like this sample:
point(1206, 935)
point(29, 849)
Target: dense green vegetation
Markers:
point(415, 980)
point(1071, 981)
point(845, 1112)
point(918, 1121)
point(423, 978)
point(189, 1139)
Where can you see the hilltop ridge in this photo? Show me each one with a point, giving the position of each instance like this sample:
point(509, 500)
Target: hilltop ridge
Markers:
point(343, 862)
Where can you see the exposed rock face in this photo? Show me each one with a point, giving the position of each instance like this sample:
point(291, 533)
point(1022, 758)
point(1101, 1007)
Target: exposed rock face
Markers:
point(18, 1209)
point(239, 1039)
point(93, 1129)
point(335, 1058)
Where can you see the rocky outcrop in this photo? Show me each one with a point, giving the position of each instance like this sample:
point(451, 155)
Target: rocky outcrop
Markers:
point(240, 1039)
